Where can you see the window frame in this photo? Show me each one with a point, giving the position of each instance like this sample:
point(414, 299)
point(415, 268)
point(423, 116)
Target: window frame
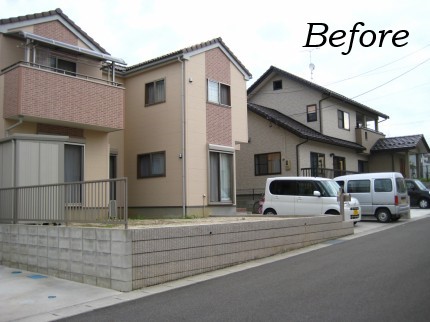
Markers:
point(277, 85)
point(215, 155)
point(141, 174)
point(257, 167)
point(155, 101)
point(311, 116)
point(220, 88)
point(55, 62)
point(342, 123)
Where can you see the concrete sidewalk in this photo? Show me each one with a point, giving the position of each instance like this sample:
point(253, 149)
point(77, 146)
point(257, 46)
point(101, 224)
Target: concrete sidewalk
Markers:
point(27, 296)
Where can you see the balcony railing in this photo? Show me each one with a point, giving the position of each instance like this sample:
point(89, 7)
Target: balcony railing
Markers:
point(97, 202)
point(324, 172)
point(46, 95)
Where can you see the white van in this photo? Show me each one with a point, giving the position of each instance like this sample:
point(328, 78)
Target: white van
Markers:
point(383, 195)
point(306, 196)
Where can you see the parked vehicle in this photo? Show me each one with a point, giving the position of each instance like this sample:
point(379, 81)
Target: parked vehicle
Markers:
point(306, 196)
point(418, 193)
point(383, 195)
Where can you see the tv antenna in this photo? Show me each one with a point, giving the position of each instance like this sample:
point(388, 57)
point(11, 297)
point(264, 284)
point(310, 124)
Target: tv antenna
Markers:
point(311, 64)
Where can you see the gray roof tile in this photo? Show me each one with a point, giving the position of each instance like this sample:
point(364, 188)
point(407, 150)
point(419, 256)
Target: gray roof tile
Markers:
point(300, 129)
point(400, 143)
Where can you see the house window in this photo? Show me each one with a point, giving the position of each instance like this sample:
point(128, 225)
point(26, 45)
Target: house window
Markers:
point(343, 120)
point(221, 177)
point(363, 166)
point(73, 172)
point(155, 92)
point(63, 66)
point(277, 85)
point(151, 165)
point(268, 163)
point(219, 93)
point(311, 111)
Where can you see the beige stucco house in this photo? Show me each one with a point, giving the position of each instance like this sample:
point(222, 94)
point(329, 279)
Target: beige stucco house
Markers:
point(298, 128)
point(185, 118)
point(57, 104)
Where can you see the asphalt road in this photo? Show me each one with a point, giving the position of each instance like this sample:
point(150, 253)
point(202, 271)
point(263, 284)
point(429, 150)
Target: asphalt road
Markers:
point(377, 277)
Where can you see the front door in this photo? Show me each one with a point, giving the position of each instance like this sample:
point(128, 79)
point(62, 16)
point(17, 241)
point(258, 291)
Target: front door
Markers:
point(317, 164)
point(339, 166)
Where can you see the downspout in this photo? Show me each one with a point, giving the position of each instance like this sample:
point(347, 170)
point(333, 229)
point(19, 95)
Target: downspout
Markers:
point(20, 121)
point(182, 155)
point(297, 156)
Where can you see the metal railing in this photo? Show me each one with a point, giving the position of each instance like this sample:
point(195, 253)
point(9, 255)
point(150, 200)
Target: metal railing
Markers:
point(99, 201)
point(60, 71)
point(324, 172)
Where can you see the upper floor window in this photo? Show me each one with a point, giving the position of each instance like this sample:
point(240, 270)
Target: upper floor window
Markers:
point(218, 93)
point(268, 163)
point(151, 165)
point(343, 120)
point(311, 111)
point(155, 92)
point(63, 66)
point(277, 85)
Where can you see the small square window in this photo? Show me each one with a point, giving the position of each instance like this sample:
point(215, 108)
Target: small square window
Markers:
point(155, 92)
point(219, 93)
point(151, 165)
point(277, 85)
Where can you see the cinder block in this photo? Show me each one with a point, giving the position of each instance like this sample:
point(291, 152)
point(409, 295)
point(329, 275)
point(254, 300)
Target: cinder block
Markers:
point(75, 255)
point(89, 233)
point(89, 245)
point(121, 261)
point(122, 274)
point(122, 248)
point(103, 246)
point(76, 243)
point(76, 267)
point(103, 234)
point(122, 286)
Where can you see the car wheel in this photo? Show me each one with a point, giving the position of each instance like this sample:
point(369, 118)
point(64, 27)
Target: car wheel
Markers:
point(383, 215)
point(423, 203)
point(270, 211)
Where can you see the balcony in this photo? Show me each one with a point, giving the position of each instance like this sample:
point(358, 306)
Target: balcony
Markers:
point(367, 137)
point(324, 172)
point(45, 95)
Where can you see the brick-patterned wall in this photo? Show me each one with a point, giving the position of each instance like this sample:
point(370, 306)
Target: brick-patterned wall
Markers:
point(56, 30)
point(48, 95)
point(218, 118)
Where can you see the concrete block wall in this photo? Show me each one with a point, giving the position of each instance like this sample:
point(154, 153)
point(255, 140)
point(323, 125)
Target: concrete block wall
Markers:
point(131, 259)
point(165, 254)
point(93, 256)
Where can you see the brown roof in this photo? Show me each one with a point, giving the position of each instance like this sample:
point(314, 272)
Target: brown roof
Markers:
point(300, 129)
point(55, 12)
point(174, 55)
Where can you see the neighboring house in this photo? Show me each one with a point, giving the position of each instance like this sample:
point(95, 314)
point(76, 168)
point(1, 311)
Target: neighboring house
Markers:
point(405, 154)
point(185, 118)
point(57, 105)
point(298, 128)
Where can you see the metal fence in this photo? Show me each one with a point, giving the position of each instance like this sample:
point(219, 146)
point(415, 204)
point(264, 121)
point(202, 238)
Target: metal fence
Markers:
point(324, 172)
point(99, 201)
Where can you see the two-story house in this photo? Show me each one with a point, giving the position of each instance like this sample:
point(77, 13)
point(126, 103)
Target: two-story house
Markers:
point(185, 118)
point(299, 128)
point(57, 103)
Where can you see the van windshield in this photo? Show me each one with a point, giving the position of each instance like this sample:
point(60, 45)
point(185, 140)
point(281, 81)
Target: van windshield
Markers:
point(331, 188)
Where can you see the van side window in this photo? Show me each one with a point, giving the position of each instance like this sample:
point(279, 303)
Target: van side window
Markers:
point(306, 188)
point(383, 185)
point(358, 186)
point(286, 187)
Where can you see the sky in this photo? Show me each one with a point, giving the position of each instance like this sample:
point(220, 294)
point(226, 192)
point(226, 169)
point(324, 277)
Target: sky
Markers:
point(394, 80)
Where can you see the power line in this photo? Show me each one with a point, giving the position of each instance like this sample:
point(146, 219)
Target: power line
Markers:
point(370, 90)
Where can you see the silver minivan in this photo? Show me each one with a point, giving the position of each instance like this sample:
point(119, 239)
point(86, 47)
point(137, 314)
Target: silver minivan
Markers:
point(383, 195)
point(306, 196)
